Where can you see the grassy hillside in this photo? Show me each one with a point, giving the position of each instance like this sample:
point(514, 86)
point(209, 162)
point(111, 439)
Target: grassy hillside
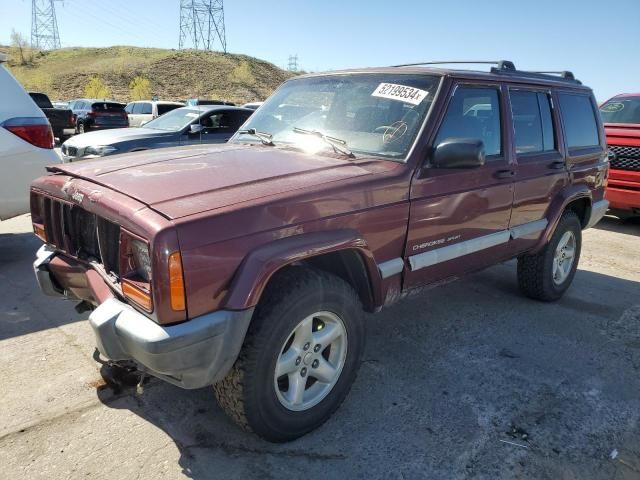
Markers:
point(174, 75)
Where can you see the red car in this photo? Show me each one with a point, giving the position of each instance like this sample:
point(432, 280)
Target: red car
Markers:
point(621, 117)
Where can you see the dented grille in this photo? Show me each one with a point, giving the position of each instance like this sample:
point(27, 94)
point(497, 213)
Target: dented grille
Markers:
point(81, 234)
point(626, 158)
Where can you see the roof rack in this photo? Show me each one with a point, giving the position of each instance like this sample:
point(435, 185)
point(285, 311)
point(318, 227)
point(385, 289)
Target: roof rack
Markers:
point(505, 67)
point(500, 64)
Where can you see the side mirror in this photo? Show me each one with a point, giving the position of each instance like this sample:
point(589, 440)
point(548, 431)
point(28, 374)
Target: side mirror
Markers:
point(459, 153)
point(195, 128)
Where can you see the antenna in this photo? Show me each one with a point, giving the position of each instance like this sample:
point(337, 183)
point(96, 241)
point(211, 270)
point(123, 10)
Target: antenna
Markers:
point(44, 26)
point(292, 66)
point(201, 22)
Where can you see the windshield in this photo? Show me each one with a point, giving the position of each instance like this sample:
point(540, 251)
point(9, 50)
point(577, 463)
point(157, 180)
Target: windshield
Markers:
point(621, 110)
point(377, 114)
point(175, 120)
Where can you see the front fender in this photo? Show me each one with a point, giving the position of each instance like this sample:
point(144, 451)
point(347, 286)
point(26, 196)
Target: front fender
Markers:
point(260, 264)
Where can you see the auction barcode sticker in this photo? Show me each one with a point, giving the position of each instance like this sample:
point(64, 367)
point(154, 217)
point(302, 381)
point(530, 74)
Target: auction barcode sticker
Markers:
point(401, 93)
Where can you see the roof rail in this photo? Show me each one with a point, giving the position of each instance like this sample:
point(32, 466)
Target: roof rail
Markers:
point(3, 57)
point(563, 75)
point(500, 64)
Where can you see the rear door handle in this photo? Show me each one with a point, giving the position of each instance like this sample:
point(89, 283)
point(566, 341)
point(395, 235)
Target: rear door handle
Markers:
point(505, 174)
point(557, 165)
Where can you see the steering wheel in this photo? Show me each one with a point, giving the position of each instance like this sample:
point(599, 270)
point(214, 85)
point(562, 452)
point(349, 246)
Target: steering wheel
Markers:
point(397, 130)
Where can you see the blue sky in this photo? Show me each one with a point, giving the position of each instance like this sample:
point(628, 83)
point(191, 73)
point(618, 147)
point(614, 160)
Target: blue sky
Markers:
point(597, 40)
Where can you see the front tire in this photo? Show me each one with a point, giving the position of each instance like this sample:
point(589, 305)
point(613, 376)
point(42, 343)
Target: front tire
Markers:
point(548, 274)
point(300, 357)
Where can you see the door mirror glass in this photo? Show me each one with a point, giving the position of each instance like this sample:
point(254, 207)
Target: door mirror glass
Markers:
point(459, 153)
point(195, 128)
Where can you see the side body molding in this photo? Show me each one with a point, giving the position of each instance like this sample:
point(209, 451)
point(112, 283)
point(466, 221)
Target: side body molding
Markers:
point(260, 264)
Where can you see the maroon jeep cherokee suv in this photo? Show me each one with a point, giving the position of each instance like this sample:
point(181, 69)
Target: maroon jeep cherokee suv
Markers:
point(248, 266)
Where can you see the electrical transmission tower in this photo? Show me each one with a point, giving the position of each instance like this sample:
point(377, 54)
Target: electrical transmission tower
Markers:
point(44, 26)
point(293, 63)
point(201, 22)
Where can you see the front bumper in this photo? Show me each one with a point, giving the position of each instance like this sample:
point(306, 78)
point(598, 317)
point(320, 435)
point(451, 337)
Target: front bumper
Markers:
point(192, 354)
point(623, 190)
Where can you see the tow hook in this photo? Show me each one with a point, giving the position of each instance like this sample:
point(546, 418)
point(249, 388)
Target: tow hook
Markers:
point(84, 306)
point(140, 386)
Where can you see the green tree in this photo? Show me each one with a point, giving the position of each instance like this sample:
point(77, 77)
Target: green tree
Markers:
point(140, 88)
point(242, 74)
point(19, 42)
point(96, 89)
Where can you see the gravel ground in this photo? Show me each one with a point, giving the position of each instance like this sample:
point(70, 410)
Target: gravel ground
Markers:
point(466, 381)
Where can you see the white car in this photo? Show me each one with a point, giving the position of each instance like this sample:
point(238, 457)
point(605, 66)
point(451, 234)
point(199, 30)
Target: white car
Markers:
point(143, 111)
point(252, 105)
point(26, 145)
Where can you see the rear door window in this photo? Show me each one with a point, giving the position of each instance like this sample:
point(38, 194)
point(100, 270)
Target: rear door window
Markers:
point(474, 112)
point(532, 123)
point(578, 117)
point(164, 108)
point(146, 108)
point(107, 107)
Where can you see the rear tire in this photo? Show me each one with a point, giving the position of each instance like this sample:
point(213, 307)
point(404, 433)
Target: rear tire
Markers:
point(547, 275)
point(296, 301)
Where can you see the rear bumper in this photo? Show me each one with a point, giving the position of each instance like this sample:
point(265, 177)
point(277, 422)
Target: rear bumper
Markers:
point(598, 209)
point(192, 354)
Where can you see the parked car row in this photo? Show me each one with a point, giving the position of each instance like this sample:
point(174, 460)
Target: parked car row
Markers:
point(181, 126)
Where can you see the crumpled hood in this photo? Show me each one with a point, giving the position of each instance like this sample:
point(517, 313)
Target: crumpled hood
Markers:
point(183, 181)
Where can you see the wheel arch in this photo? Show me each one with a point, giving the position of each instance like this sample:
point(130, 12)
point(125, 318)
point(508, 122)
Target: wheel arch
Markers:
point(341, 252)
point(578, 198)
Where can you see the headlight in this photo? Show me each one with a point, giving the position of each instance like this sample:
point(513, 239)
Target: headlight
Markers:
point(100, 150)
point(141, 259)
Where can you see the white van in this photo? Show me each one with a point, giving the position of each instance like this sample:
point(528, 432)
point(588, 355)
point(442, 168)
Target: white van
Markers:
point(143, 111)
point(26, 144)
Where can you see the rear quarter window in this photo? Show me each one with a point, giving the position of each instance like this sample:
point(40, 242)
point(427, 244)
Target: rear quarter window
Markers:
point(579, 119)
point(164, 108)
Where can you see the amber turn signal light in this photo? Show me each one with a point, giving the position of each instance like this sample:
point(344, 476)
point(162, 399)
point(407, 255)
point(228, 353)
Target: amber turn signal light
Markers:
point(40, 233)
point(137, 295)
point(176, 282)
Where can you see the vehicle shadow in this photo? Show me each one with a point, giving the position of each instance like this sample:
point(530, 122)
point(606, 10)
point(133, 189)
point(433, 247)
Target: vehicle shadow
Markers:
point(446, 376)
point(23, 308)
point(610, 223)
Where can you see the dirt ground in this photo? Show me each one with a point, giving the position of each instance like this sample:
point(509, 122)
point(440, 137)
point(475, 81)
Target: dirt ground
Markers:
point(467, 381)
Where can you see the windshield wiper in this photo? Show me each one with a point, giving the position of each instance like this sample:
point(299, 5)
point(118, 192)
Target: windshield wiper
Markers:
point(338, 144)
point(265, 138)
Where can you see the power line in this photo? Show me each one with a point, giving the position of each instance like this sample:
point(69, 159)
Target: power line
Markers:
point(201, 22)
point(44, 26)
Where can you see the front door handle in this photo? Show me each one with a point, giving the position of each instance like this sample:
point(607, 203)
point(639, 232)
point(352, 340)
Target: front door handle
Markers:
point(557, 165)
point(505, 174)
